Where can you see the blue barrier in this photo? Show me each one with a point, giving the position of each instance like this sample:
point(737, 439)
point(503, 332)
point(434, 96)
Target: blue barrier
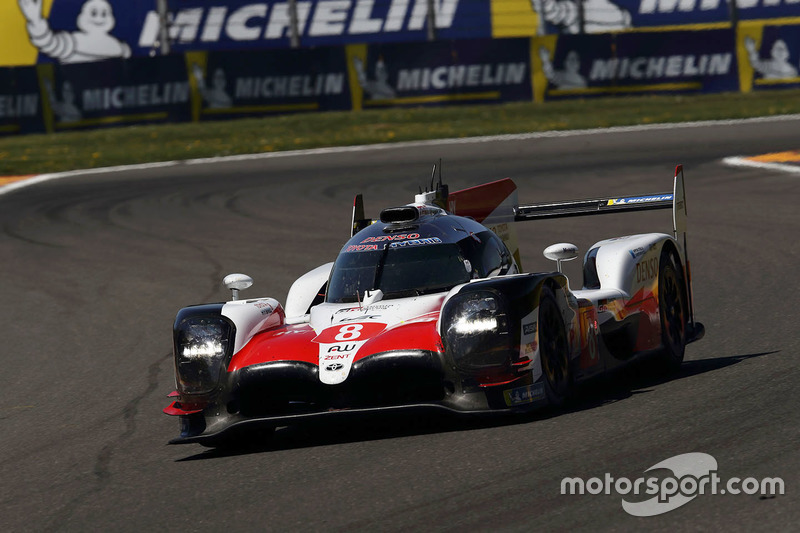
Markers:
point(20, 101)
point(201, 85)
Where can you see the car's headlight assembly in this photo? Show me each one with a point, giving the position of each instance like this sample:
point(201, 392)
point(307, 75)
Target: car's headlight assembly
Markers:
point(476, 330)
point(201, 349)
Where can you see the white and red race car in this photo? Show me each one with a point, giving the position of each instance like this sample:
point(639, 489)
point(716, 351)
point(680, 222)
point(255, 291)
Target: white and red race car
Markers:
point(426, 309)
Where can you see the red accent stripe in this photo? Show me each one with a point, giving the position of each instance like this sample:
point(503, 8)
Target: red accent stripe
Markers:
point(175, 409)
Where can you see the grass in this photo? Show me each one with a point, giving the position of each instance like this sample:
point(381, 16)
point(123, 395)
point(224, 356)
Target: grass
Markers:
point(36, 154)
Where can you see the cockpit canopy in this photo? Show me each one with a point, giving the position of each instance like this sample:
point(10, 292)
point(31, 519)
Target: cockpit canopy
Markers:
point(433, 254)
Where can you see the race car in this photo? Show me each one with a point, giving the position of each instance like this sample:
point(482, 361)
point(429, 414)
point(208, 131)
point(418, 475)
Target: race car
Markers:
point(426, 308)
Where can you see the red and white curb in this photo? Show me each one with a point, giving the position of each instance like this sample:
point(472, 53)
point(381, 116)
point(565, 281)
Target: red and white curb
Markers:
point(778, 161)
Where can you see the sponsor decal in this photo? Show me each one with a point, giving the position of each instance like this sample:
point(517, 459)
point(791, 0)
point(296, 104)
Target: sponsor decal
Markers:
point(382, 238)
point(338, 346)
point(637, 252)
point(367, 309)
point(639, 200)
point(360, 317)
point(361, 248)
point(523, 395)
point(529, 329)
point(647, 270)
point(528, 349)
point(416, 242)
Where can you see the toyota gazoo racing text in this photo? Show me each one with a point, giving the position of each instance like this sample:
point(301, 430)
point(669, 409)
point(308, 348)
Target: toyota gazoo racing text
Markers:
point(427, 308)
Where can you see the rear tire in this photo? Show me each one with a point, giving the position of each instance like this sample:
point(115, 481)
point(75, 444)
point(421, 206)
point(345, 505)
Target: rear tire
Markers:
point(553, 349)
point(672, 311)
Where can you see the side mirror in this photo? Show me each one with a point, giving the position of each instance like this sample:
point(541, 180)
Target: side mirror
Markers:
point(562, 251)
point(236, 283)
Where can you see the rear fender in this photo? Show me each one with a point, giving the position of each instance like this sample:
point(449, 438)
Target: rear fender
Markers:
point(628, 264)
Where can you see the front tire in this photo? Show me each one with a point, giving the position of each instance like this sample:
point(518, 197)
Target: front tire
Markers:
point(553, 349)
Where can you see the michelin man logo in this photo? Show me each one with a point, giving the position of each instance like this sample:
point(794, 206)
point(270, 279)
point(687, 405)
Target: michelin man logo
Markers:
point(379, 88)
point(65, 109)
point(777, 67)
point(570, 77)
point(92, 41)
point(598, 15)
point(215, 96)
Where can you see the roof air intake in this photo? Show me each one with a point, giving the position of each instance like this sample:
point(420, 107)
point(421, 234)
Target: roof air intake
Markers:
point(396, 215)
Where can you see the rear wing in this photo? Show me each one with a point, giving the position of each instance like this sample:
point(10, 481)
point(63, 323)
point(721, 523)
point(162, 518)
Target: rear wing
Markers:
point(675, 200)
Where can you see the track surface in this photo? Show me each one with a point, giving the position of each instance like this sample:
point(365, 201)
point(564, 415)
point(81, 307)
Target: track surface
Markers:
point(95, 268)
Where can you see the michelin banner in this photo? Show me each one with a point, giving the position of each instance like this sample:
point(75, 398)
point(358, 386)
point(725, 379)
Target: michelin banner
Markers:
point(20, 101)
point(570, 66)
point(600, 16)
point(114, 92)
point(230, 85)
point(73, 31)
point(440, 73)
point(769, 56)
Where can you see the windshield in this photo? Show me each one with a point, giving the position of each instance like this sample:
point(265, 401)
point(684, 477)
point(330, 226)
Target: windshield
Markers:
point(398, 272)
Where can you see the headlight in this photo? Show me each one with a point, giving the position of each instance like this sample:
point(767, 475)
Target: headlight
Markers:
point(476, 331)
point(201, 347)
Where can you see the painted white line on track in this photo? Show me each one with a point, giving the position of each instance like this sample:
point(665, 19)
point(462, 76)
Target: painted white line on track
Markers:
point(746, 162)
point(401, 145)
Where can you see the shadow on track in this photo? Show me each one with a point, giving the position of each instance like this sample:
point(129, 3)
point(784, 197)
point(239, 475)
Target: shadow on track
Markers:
point(633, 379)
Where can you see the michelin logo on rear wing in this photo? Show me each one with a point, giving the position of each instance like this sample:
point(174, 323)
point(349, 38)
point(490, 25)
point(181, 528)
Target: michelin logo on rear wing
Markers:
point(640, 199)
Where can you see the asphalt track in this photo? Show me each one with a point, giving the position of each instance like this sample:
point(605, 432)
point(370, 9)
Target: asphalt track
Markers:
point(95, 267)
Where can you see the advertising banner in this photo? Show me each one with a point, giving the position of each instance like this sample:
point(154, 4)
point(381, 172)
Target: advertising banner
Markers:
point(71, 31)
point(631, 63)
point(599, 16)
point(20, 101)
point(227, 85)
point(440, 72)
point(115, 92)
point(769, 56)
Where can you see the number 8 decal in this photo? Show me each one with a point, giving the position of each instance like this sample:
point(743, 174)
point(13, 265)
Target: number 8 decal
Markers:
point(349, 332)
